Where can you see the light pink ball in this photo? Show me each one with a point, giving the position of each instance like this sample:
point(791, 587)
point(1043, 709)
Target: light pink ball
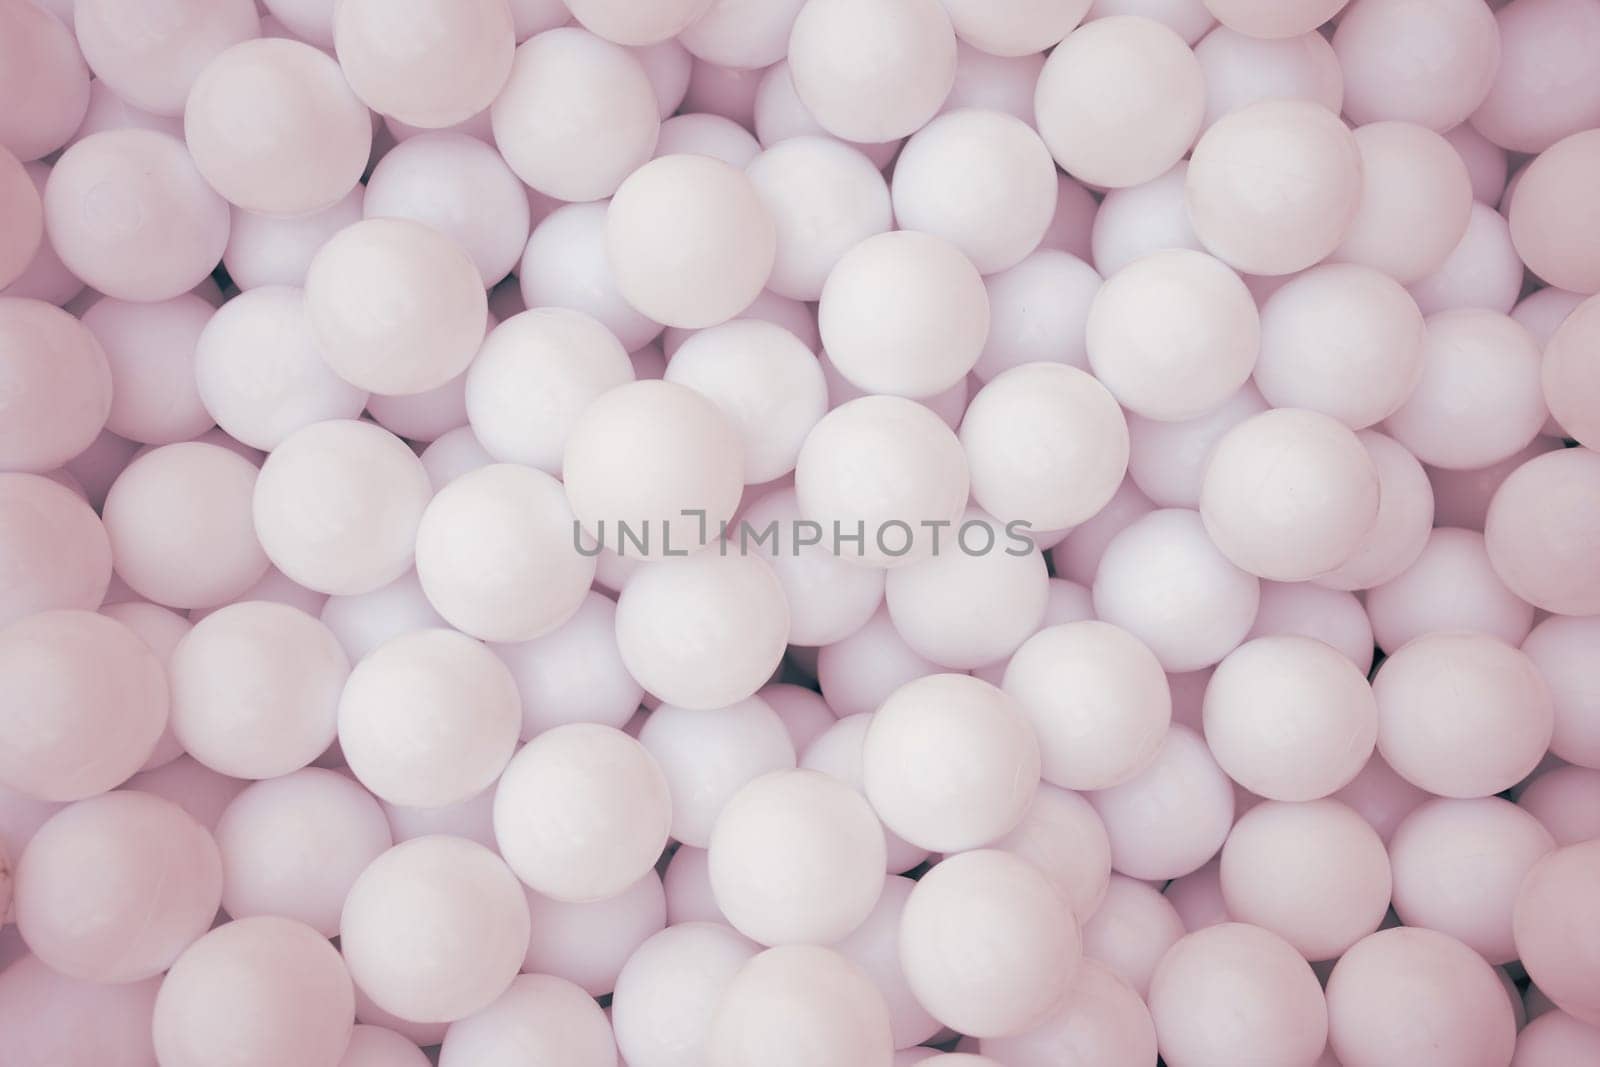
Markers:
point(1131, 930)
point(799, 1006)
point(629, 24)
point(1307, 610)
point(1037, 312)
point(1425, 61)
point(1290, 718)
point(255, 689)
point(1188, 18)
point(874, 946)
point(1139, 219)
point(1289, 494)
point(151, 53)
point(114, 888)
point(429, 63)
point(1248, 198)
point(40, 64)
point(54, 553)
point(987, 945)
point(374, 1046)
point(1101, 1019)
point(1462, 714)
point(1403, 526)
point(1541, 527)
point(1554, 1039)
point(1172, 817)
point(1482, 273)
point(998, 83)
point(837, 752)
point(1571, 381)
point(1552, 224)
point(101, 692)
point(588, 944)
point(778, 114)
point(435, 929)
point(1120, 101)
point(1545, 86)
point(191, 785)
point(1416, 201)
point(1167, 460)
point(59, 386)
point(24, 214)
point(293, 846)
point(256, 992)
point(1567, 801)
point(1451, 586)
point(539, 1016)
point(574, 673)
point(264, 250)
point(1554, 923)
point(1232, 993)
point(1381, 796)
point(669, 990)
point(1405, 995)
point(1062, 835)
point(1557, 647)
point(709, 755)
point(1241, 70)
point(1315, 874)
point(50, 1018)
point(151, 351)
point(742, 35)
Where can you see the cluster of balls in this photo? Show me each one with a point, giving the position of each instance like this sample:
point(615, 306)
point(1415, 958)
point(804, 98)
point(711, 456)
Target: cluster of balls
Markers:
point(385, 678)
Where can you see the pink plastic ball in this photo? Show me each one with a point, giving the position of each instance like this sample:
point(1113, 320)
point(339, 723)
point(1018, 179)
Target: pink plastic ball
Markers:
point(668, 992)
point(1307, 610)
point(1425, 61)
point(1131, 930)
point(150, 53)
point(24, 214)
point(541, 1016)
point(799, 1006)
point(996, 83)
point(1556, 647)
point(1554, 1039)
point(264, 250)
point(40, 65)
point(1554, 923)
point(1241, 70)
point(1567, 801)
point(59, 386)
point(54, 553)
point(588, 944)
point(1416, 201)
point(1451, 586)
point(565, 266)
point(742, 35)
point(574, 673)
point(1101, 1016)
point(1544, 87)
point(1037, 312)
point(1550, 223)
point(430, 63)
point(778, 114)
point(1571, 382)
point(151, 351)
point(1173, 816)
point(1541, 525)
point(50, 1018)
point(709, 755)
point(374, 1046)
point(1482, 273)
point(629, 24)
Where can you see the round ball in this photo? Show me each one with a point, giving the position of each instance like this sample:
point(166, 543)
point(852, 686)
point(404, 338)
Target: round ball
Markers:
point(59, 386)
point(1272, 19)
point(265, 250)
point(625, 23)
point(56, 551)
point(1462, 714)
point(1550, 225)
point(1571, 380)
point(1539, 522)
point(574, 673)
point(540, 1016)
point(255, 992)
point(114, 888)
point(50, 1018)
point(1173, 816)
point(1037, 312)
point(799, 1006)
point(565, 265)
point(1404, 523)
point(1416, 201)
point(669, 990)
point(429, 718)
point(1553, 922)
point(1241, 70)
point(796, 857)
point(101, 689)
point(1556, 647)
point(434, 929)
point(151, 349)
point(1451, 586)
point(1379, 45)
point(24, 212)
point(40, 63)
point(587, 944)
point(1544, 86)
point(1101, 1013)
point(429, 63)
point(1249, 198)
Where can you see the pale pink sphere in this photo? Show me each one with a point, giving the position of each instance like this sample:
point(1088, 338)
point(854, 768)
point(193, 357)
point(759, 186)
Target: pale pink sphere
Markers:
point(1381, 796)
point(987, 945)
point(58, 386)
point(461, 187)
point(1486, 162)
point(631, 24)
point(980, 179)
point(1189, 357)
point(191, 785)
point(1545, 86)
point(582, 812)
point(397, 306)
point(539, 1016)
point(1558, 647)
point(1404, 523)
point(1167, 460)
point(1290, 718)
point(1139, 219)
point(1062, 835)
point(308, 136)
point(1457, 866)
point(1552, 222)
point(151, 349)
point(428, 718)
point(904, 313)
point(422, 1034)
point(838, 752)
point(425, 417)
point(255, 992)
point(337, 506)
point(45, 277)
point(1120, 101)
point(179, 520)
point(98, 688)
point(875, 947)
point(668, 992)
point(1289, 494)
point(1479, 398)
point(472, 819)
point(375, 1046)
point(1329, 615)
point(708, 135)
point(1235, 993)
point(574, 673)
point(1567, 801)
point(588, 944)
point(1037, 313)
point(803, 712)
point(950, 762)
point(129, 213)
point(24, 214)
point(260, 373)
point(429, 63)
point(1482, 273)
point(872, 70)
point(42, 73)
point(1555, 922)
point(778, 115)
point(1131, 929)
point(1462, 714)
point(1101, 1020)
point(1163, 580)
point(1451, 586)
point(255, 689)
point(453, 454)
point(266, 250)
point(1015, 29)
point(1425, 61)
point(1240, 70)
point(1407, 995)
point(709, 755)
point(54, 553)
point(1098, 701)
point(708, 220)
point(739, 34)
point(1541, 529)
point(997, 83)
point(799, 1006)
point(435, 929)
point(50, 1018)
point(161, 629)
point(1315, 874)
point(1415, 204)
point(1188, 18)
point(1342, 339)
point(114, 888)
point(293, 846)
point(151, 52)
point(1173, 816)
point(1571, 379)
point(1249, 199)
point(1555, 1039)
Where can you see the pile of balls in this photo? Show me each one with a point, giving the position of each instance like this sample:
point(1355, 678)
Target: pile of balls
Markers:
point(799, 533)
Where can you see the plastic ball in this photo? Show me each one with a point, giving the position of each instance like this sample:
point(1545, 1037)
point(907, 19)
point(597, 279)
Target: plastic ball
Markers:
point(1241, 70)
point(837, 752)
point(778, 114)
point(1540, 521)
point(151, 350)
point(540, 1015)
point(668, 992)
point(1425, 61)
point(1556, 1038)
point(588, 944)
point(1173, 816)
point(39, 63)
point(257, 991)
point(59, 391)
point(50, 1018)
point(1549, 224)
point(1167, 460)
point(56, 551)
point(574, 673)
point(1563, 799)
point(1184, 359)
point(1451, 586)
point(434, 929)
point(1037, 312)
point(396, 306)
point(151, 53)
point(799, 1006)
point(1553, 923)
point(102, 689)
point(1139, 219)
point(624, 23)
point(582, 812)
point(428, 718)
point(1120, 101)
point(1101, 1015)
point(709, 755)
point(1571, 384)
point(114, 888)
point(1556, 648)
point(1462, 714)
point(337, 506)
point(1062, 835)
point(1188, 18)
point(1415, 204)
point(20, 203)
point(1483, 272)
point(1544, 86)
point(374, 1046)
point(1131, 930)
point(1249, 200)
point(430, 63)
